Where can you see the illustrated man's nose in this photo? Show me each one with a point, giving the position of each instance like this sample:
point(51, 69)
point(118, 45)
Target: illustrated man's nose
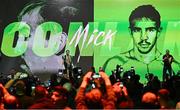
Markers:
point(144, 35)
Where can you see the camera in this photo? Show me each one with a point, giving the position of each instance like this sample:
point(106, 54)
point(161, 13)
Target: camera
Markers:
point(77, 72)
point(32, 88)
point(23, 75)
point(96, 76)
point(60, 72)
point(121, 85)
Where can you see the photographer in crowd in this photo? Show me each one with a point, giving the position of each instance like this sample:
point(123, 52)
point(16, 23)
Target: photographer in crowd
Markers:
point(94, 98)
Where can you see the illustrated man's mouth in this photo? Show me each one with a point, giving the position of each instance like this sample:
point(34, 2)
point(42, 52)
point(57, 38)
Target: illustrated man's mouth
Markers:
point(144, 44)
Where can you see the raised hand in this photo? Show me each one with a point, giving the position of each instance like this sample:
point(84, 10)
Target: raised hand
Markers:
point(103, 75)
point(86, 79)
point(17, 75)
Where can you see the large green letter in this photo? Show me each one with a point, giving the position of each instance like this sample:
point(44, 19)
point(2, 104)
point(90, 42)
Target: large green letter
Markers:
point(7, 43)
point(43, 47)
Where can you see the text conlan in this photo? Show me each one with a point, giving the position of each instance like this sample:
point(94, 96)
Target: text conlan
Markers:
point(55, 43)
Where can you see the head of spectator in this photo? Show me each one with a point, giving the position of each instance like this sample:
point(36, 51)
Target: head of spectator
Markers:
point(10, 102)
point(41, 100)
point(164, 99)
point(68, 86)
point(178, 105)
point(163, 94)
point(60, 97)
point(93, 98)
point(54, 80)
point(119, 88)
point(136, 78)
point(20, 88)
point(40, 92)
point(149, 100)
point(7, 100)
point(123, 100)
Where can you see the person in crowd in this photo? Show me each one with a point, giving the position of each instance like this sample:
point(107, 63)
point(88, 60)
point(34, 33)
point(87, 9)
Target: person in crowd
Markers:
point(68, 63)
point(123, 99)
point(178, 105)
point(18, 88)
point(149, 101)
point(94, 99)
point(167, 59)
point(9, 101)
point(135, 89)
point(41, 100)
point(71, 94)
point(20, 93)
point(164, 99)
point(60, 97)
point(153, 84)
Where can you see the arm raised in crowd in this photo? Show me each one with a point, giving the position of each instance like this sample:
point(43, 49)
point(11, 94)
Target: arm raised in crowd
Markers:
point(10, 101)
point(80, 98)
point(110, 99)
point(4, 90)
point(11, 81)
point(107, 102)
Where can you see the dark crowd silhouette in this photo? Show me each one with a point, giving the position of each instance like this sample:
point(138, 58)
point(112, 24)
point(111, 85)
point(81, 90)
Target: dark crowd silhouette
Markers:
point(91, 90)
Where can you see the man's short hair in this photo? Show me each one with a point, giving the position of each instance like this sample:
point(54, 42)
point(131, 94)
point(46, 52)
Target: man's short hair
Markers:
point(147, 11)
point(67, 50)
point(167, 50)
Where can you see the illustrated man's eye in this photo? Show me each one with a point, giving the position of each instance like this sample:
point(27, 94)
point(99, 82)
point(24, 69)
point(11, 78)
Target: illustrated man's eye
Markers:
point(136, 30)
point(151, 29)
